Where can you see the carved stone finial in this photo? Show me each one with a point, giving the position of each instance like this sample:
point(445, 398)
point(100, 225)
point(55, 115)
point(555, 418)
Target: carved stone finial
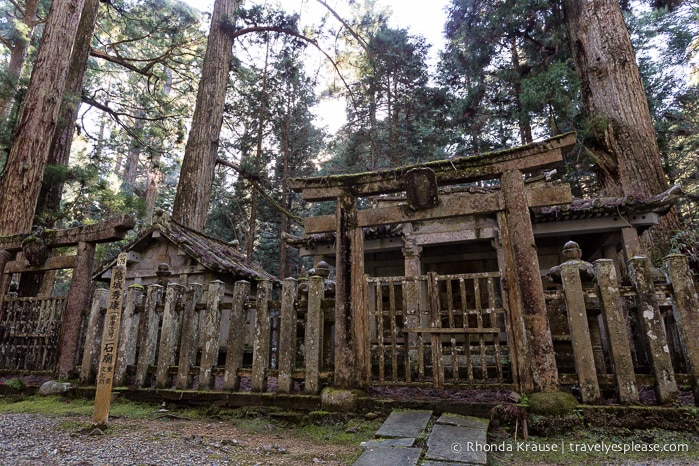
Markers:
point(572, 251)
point(572, 254)
point(163, 273)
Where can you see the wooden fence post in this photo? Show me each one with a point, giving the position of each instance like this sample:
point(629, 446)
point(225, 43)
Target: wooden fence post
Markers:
point(614, 321)
point(287, 336)
point(236, 336)
point(149, 338)
point(189, 339)
point(169, 335)
point(210, 328)
point(110, 342)
point(579, 331)
point(93, 337)
point(313, 341)
point(653, 329)
point(686, 310)
point(260, 355)
point(126, 354)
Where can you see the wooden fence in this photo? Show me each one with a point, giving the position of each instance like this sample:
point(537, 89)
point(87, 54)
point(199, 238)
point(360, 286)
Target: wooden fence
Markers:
point(439, 329)
point(29, 333)
point(626, 336)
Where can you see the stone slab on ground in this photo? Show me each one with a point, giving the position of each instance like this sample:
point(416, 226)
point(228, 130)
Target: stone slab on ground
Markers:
point(391, 442)
point(408, 423)
point(442, 463)
point(463, 421)
point(457, 444)
point(389, 456)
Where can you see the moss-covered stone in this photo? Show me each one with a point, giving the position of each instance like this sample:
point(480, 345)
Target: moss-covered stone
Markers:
point(339, 400)
point(553, 425)
point(552, 403)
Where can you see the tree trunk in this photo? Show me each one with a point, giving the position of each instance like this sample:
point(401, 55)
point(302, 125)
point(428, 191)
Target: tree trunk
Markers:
point(623, 139)
point(59, 152)
point(18, 55)
point(196, 177)
point(21, 180)
point(525, 127)
point(130, 170)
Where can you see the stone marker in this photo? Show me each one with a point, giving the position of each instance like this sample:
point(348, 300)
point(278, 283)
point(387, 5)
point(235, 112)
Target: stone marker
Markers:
point(404, 423)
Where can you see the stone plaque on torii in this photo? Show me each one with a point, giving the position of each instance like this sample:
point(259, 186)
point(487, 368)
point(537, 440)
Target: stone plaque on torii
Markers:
point(84, 238)
point(531, 336)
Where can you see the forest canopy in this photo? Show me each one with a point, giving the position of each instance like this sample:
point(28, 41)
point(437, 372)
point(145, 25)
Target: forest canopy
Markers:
point(510, 72)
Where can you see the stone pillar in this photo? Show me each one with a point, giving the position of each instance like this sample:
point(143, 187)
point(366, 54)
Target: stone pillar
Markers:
point(149, 336)
point(93, 337)
point(77, 302)
point(631, 243)
point(654, 330)
point(615, 323)
point(261, 342)
point(579, 331)
point(686, 311)
point(352, 356)
point(210, 327)
point(523, 253)
point(236, 336)
point(287, 337)
point(169, 335)
point(411, 301)
point(190, 336)
point(126, 353)
point(313, 341)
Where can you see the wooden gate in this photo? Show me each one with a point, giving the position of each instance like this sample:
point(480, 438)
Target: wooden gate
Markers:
point(29, 333)
point(439, 329)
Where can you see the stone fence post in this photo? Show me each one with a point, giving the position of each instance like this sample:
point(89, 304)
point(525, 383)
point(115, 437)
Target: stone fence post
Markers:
point(615, 322)
point(653, 330)
point(236, 336)
point(189, 338)
point(686, 311)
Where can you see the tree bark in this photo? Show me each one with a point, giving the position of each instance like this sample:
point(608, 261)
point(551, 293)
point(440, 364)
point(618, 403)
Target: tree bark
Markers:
point(623, 138)
point(196, 177)
point(59, 152)
point(18, 55)
point(21, 180)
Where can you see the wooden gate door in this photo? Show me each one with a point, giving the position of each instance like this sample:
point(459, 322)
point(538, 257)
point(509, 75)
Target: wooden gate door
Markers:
point(29, 333)
point(457, 337)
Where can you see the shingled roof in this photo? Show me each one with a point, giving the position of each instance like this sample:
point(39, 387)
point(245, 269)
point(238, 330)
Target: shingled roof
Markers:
point(213, 254)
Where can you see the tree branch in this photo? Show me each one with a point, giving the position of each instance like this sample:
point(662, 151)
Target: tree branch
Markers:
point(120, 61)
point(256, 181)
point(239, 32)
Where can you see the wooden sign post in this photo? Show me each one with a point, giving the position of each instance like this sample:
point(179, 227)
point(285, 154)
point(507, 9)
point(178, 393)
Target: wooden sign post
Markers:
point(110, 340)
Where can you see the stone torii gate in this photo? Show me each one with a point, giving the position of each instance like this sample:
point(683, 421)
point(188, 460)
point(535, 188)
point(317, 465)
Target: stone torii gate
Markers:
point(15, 258)
point(519, 264)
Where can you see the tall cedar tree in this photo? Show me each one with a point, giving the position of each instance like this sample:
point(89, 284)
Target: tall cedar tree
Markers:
point(21, 179)
point(196, 177)
point(623, 140)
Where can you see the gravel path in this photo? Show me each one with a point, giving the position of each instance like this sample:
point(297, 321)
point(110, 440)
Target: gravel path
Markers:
point(30, 439)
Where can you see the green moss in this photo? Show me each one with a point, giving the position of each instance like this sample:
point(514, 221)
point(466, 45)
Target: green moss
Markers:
point(552, 403)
